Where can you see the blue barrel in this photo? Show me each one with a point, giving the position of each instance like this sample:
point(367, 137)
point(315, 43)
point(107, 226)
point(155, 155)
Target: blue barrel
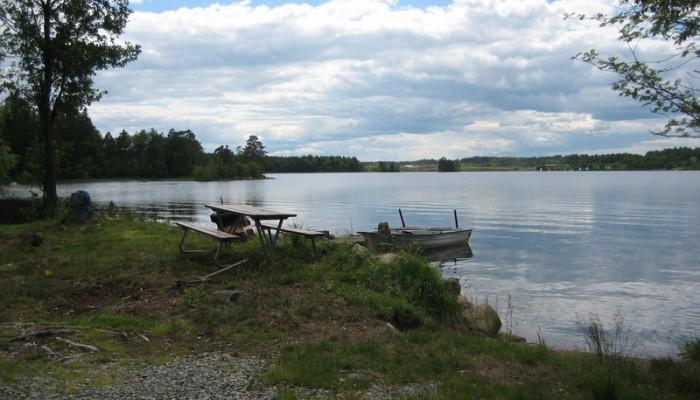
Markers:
point(79, 206)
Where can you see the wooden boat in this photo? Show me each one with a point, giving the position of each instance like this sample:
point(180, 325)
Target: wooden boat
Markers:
point(431, 238)
point(427, 238)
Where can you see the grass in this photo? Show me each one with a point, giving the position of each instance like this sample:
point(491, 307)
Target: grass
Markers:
point(322, 321)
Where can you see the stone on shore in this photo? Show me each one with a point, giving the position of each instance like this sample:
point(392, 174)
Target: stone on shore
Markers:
point(232, 296)
point(481, 318)
point(454, 288)
point(387, 258)
point(358, 248)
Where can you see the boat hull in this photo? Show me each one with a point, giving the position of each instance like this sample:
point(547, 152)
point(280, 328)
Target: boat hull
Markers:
point(432, 239)
point(425, 238)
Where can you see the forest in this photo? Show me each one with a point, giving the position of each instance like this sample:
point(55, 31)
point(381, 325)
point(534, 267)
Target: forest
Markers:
point(84, 153)
point(675, 158)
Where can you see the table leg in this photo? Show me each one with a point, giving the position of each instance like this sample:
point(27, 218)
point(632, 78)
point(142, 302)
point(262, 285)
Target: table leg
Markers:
point(273, 240)
point(261, 235)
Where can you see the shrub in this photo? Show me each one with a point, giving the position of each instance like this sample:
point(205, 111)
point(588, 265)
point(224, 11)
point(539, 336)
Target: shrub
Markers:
point(605, 343)
point(690, 350)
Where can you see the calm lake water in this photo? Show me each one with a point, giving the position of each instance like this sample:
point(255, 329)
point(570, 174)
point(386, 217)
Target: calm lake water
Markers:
point(562, 245)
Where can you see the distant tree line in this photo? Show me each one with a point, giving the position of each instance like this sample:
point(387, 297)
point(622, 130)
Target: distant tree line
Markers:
point(311, 163)
point(445, 165)
point(83, 153)
point(676, 158)
point(381, 166)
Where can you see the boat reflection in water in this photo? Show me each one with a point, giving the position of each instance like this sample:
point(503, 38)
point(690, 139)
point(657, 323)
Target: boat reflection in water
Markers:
point(444, 255)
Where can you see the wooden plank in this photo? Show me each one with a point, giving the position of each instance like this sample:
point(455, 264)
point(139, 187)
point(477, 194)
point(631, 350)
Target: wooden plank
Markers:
point(254, 212)
point(219, 235)
point(303, 232)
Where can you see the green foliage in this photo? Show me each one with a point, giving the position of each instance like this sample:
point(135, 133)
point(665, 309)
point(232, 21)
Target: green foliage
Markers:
point(386, 166)
point(691, 350)
point(656, 83)
point(681, 376)
point(675, 158)
point(605, 389)
point(311, 163)
point(19, 129)
point(7, 161)
point(254, 151)
point(223, 164)
point(445, 165)
point(114, 321)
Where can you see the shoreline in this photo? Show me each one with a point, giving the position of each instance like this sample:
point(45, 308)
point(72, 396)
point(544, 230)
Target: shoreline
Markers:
point(340, 323)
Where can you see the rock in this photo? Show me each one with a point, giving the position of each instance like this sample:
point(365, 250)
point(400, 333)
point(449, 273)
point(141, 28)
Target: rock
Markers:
point(387, 258)
point(516, 338)
point(480, 318)
point(465, 302)
point(35, 240)
point(405, 320)
point(233, 296)
point(453, 286)
point(358, 248)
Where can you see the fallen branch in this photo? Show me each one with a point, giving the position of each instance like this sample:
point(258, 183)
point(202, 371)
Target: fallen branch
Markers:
point(41, 334)
point(80, 346)
point(48, 351)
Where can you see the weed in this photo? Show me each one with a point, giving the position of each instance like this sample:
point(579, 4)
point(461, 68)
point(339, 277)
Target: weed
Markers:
point(286, 394)
point(194, 295)
point(509, 315)
point(606, 389)
point(540, 337)
point(681, 376)
point(690, 350)
point(176, 326)
point(606, 344)
point(115, 322)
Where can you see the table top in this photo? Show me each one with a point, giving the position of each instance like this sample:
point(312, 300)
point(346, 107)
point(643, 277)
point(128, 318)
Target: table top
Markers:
point(250, 211)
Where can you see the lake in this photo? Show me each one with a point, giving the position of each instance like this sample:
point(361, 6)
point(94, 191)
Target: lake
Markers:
point(562, 245)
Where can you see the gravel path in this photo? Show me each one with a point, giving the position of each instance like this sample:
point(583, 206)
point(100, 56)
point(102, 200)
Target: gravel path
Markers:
point(204, 376)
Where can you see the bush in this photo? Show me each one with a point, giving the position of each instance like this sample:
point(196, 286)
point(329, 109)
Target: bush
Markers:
point(606, 343)
point(690, 350)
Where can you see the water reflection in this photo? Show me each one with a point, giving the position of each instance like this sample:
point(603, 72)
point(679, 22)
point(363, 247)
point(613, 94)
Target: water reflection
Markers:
point(448, 255)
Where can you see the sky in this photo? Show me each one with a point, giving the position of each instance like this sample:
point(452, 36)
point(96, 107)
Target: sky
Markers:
point(379, 79)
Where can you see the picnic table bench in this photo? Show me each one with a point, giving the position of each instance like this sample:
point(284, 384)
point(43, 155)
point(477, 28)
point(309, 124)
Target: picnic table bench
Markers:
point(258, 215)
point(220, 236)
point(309, 234)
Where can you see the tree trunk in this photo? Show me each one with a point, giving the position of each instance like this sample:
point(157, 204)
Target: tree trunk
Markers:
point(49, 158)
point(46, 117)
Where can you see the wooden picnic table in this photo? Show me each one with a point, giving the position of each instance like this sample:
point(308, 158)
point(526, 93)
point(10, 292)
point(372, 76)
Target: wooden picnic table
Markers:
point(256, 214)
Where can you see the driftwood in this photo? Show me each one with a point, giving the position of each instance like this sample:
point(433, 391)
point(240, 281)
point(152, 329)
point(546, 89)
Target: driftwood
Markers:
point(41, 334)
point(180, 283)
point(79, 346)
point(48, 351)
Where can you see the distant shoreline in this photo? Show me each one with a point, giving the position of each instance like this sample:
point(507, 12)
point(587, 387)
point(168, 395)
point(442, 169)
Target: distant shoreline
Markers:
point(191, 179)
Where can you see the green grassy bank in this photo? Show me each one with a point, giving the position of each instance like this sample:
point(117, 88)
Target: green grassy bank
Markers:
point(320, 321)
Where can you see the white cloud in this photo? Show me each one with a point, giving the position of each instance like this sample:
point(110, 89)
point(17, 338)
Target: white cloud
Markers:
point(376, 79)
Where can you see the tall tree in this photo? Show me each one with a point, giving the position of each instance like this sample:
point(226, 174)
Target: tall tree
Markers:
point(183, 152)
point(54, 49)
point(669, 85)
point(253, 150)
point(7, 161)
point(445, 165)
